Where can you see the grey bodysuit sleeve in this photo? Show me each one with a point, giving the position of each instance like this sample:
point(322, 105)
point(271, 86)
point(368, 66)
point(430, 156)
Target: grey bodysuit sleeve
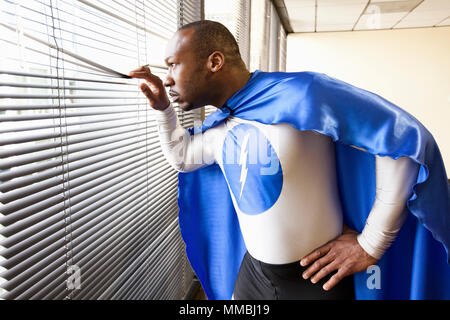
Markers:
point(394, 182)
point(183, 151)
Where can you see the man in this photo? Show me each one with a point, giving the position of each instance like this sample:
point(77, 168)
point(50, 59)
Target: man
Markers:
point(292, 206)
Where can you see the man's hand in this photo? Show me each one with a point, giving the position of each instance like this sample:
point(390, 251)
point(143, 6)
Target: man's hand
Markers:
point(153, 88)
point(343, 254)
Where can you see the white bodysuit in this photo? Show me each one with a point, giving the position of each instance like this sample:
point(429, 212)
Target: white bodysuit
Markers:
point(283, 184)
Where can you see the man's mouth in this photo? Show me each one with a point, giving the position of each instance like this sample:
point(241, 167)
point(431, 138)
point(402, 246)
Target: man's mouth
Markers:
point(174, 96)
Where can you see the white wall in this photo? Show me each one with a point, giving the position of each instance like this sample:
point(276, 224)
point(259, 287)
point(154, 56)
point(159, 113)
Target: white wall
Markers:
point(409, 67)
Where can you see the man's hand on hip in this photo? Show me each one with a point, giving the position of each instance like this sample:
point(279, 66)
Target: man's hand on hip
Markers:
point(153, 88)
point(343, 254)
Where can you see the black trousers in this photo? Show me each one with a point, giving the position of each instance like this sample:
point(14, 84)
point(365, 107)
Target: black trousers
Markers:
point(257, 280)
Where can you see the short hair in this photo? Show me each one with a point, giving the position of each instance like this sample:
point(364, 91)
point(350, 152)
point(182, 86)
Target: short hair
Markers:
point(210, 36)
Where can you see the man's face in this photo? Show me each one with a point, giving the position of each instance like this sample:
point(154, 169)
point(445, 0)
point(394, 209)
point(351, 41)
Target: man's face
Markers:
point(186, 76)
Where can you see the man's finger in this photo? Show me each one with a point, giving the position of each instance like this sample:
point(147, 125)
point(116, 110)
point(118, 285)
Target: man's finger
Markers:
point(336, 278)
point(314, 255)
point(147, 92)
point(141, 69)
point(144, 72)
point(316, 266)
point(147, 75)
point(153, 88)
point(324, 271)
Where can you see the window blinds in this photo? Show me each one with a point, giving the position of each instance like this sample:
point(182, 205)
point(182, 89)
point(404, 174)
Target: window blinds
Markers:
point(88, 204)
point(282, 45)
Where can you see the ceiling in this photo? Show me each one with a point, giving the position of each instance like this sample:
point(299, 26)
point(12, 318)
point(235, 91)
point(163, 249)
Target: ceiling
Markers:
point(354, 15)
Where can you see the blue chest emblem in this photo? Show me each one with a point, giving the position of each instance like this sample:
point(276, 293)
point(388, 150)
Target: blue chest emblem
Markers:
point(252, 169)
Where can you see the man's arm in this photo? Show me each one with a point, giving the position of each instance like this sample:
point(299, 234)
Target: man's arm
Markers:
point(394, 181)
point(183, 151)
point(353, 252)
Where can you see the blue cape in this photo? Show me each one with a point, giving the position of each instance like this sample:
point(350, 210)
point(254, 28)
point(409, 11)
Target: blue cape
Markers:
point(414, 267)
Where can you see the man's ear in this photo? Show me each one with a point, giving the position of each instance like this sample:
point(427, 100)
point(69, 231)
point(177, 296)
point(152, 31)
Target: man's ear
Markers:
point(216, 60)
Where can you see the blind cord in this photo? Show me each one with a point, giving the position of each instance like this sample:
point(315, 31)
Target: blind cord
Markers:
point(64, 155)
point(146, 132)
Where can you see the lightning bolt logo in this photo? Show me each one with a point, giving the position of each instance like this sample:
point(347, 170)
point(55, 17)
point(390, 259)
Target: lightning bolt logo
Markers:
point(243, 163)
point(243, 170)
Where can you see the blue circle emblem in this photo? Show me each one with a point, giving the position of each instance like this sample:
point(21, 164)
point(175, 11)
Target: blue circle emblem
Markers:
point(252, 169)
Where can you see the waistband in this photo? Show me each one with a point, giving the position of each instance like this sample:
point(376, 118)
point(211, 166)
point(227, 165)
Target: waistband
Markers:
point(290, 265)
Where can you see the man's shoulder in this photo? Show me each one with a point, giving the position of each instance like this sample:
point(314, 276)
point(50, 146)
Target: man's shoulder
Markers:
point(277, 82)
point(291, 75)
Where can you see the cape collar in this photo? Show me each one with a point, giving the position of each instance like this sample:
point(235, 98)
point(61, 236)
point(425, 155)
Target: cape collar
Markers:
point(232, 104)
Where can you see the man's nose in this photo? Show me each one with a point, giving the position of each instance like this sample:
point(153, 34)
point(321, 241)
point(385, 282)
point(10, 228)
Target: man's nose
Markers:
point(168, 81)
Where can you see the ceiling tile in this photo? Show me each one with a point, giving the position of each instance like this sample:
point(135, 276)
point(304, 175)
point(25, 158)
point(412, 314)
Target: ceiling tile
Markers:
point(338, 15)
point(445, 22)
point(301, 15)
point(297, 3)
point(340, 2)
point(427, 14)
point(301, 26)
point(379, 21)
point(336, 27)
point(342, 15)
point(395, 6)
point(375, 1)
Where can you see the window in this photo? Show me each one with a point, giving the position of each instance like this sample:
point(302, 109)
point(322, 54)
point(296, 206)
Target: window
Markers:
point(235, 15)
point(88, 204)
point(268, 40)
point(265, 49)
